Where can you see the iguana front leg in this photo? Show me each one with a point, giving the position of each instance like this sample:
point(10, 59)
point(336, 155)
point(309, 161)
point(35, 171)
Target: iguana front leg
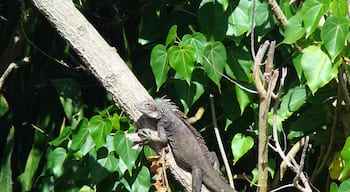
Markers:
point(161, 125)
point(156, 136)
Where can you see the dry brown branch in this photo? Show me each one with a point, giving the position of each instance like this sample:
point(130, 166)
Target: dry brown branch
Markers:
point(265, 94)
point(104, 62)
point(289, 160)
point(278, 12)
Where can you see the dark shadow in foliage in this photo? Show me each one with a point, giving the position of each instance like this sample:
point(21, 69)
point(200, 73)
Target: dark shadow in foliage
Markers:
point(213, 20)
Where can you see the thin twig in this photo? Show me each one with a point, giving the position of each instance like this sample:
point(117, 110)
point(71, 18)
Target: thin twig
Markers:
point(282, 187)
point(221, 147)
point(256, 70)
point(229, 79)
point(252, 44)
point(291, 163)
point(11, 67)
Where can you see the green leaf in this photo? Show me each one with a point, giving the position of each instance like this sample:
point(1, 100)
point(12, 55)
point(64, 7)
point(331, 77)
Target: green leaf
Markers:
point(317, 68)
point(80, 134)
point(243, 98)
point(333, 187)
point(240, 145)
point(312, 11)
point(198, 42)
point(87, 146)
point(294, 29)
point(55, 160)
point(62, 137)
point(182, 59)
point(214, 61)
point(172, 34)
point(27, 177)
point(297, 66)
point(4, 106)
point(69, 93)
point(261, 14)
point(123, 146)
point(110, 162)
point(255, 176)
point(143, 181)
point(99, 129)
point(189, 94)
point(159, 64)
point(334, 34)
point(5, 167)
point(339, 8)
point(224, 3)
point(292, 101)
point(344, 186)
point(345, 152)
point(149, 152)
point(115, 119)
point(239, 64)
point(98, 171)
point(212, 20)
point(239, 21)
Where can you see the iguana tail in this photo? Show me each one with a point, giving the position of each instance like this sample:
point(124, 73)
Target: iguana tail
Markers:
point(215, 182)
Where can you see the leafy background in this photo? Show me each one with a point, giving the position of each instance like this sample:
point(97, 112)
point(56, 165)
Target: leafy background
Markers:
point(61, 132)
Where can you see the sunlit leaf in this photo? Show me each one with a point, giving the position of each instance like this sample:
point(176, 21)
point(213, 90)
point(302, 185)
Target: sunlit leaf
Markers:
point(317, 68)
point(143, 181)
point(339, 8)
point(243, 98)
point(123, 146)
point(159, 64)
point(182, 59)
point(312, 11)
point(239, 21)
point(334, 34)
point(240, 145)
point(56, 159)
point(344, 186)
point(333, 187)
point(292, 101)
point(99, 129)
point(197, 41)
point(214, 61)
point(80, 134)
point(294, 29)
point(345, 152)
point(171, 35)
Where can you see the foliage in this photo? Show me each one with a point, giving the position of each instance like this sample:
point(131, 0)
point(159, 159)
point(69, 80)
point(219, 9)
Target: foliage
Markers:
point(59, 133)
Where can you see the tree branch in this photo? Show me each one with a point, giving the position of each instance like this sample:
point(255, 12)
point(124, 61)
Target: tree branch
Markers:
point(104, 62)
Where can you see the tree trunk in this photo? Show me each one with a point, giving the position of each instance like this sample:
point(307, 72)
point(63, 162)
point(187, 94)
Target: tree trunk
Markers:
point(104, 62)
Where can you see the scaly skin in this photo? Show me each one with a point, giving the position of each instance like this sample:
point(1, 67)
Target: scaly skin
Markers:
point(188, 146)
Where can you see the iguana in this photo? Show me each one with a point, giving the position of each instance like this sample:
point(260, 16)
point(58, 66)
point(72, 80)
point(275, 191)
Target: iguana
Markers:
point(187, 144)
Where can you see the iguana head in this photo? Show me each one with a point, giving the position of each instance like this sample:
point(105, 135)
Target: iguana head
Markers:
point(149, 108)
point(157, 107)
